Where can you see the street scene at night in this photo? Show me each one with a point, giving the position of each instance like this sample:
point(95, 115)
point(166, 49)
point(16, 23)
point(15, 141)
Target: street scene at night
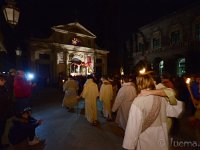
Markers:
point(100, 75)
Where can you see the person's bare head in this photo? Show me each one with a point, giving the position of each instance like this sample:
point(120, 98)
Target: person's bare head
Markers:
point(20, 73)
point(145, 81)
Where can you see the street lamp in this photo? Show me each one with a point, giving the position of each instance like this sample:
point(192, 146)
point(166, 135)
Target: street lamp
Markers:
point(11, 12)
point(18, 52)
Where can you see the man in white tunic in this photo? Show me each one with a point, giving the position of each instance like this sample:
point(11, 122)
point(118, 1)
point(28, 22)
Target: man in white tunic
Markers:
point(146, 127)
point(90, 94)
point(123, 101)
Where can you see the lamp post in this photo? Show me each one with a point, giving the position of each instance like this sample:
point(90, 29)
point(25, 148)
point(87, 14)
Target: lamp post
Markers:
point(11, 13)
point(18, 52)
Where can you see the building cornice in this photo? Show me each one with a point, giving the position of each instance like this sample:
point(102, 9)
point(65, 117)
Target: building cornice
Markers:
point(67, 32)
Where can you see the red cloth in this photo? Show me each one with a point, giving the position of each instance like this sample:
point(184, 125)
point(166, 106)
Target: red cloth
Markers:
point(22, 89)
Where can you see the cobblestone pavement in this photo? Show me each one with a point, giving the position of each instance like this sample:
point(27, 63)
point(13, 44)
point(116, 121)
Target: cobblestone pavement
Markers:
point(63, 130)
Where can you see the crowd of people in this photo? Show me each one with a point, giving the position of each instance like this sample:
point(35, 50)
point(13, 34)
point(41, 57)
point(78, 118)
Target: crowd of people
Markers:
point(145, 106)
point(15, 103)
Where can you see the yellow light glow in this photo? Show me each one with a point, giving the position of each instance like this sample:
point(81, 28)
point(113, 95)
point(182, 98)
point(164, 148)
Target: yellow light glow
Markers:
point(142, 71)
point(73, 74)
point(188, 80)
point(122, 71)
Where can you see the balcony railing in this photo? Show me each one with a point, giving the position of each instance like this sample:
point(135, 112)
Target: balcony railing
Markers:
point(190, 44)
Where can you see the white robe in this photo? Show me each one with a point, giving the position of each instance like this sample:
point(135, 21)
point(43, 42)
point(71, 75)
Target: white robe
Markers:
point(106, 95)
point(90, 93)
point(123, 101)
point(171, 99)
point(154, 137)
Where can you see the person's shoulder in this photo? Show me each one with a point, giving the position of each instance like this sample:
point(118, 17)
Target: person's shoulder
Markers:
point(160, 86)
point(94, 84)
point(143, 99)
point(139, 99)
point(138, 103)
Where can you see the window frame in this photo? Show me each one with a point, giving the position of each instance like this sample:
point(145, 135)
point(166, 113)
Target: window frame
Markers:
point(156, 40)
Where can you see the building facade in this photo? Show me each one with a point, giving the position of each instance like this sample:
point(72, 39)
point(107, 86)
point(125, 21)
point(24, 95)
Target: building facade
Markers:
point(70, 50)
point(170, 44)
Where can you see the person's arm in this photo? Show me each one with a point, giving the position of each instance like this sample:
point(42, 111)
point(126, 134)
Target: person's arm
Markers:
point(165, 92)
point(170, 94)
point(118, 100)
point(158, 92)
point(84, 92)
point(20, 119)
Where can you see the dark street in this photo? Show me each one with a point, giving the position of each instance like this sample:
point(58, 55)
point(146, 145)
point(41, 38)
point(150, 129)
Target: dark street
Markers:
point(65, 130)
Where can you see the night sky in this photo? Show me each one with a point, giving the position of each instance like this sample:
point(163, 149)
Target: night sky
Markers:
point(112, 21)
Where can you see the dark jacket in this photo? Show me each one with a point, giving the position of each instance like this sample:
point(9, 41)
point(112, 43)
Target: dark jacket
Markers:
point(21, 129)
point(5, 102)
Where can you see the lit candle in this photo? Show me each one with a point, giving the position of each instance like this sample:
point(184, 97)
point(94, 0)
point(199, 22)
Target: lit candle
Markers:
point(188, 80)
point(142, 71)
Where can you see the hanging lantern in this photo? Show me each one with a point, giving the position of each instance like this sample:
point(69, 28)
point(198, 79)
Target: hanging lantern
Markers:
point(11, 12)
point(18, 51)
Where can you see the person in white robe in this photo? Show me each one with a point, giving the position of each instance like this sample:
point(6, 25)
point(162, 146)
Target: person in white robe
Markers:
point(165, 89)
point(123, 101)
point(70, 87)
point(106, 96)
point(90, 93)
point(146, 127)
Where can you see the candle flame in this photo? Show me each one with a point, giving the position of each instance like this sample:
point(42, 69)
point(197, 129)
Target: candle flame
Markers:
point(142, 71)
point(188, 80)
